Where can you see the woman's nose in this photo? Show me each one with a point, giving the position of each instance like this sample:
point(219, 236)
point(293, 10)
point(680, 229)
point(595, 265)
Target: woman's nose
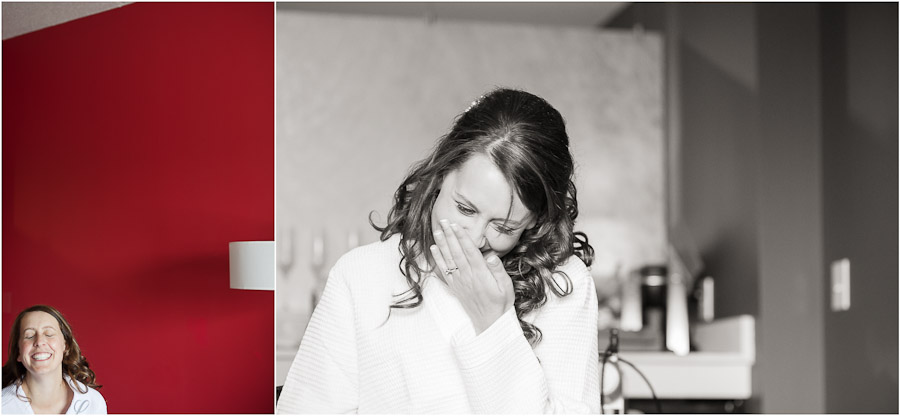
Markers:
point(480, 242)
point(477, 234)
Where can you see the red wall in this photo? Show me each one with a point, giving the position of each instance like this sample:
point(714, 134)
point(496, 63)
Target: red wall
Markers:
point(136, 144)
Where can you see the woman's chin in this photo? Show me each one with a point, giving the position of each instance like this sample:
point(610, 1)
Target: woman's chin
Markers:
point(44, 368)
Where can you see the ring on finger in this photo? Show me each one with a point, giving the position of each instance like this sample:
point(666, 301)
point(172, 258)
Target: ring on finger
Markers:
point(450, 270)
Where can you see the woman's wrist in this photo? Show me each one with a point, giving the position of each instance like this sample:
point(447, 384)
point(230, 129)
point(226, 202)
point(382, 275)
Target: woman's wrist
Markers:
point(482, 321)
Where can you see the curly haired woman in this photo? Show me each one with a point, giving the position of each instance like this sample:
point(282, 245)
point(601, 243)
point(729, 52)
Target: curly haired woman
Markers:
point(45, 371)
point(477, 298)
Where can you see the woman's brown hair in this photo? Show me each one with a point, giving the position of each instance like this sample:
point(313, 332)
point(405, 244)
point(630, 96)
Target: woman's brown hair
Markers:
point(74, 364)
point(525, 137)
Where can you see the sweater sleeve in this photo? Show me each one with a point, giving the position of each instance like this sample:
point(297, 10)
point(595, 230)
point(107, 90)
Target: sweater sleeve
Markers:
point(323, 377)
point(504, 374)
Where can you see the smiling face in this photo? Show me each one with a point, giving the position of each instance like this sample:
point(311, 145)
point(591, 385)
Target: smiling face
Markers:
point(477, 197)
point(41, 344)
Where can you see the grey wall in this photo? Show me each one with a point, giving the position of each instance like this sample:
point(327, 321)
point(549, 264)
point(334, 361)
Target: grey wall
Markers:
point(789, 211)
point(749, 167)
point(719, 152)
point(859, 74)
point(787, 160)
point(713, 126)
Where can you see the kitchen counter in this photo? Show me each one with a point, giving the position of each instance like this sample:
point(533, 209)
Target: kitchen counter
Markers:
point(720, 369)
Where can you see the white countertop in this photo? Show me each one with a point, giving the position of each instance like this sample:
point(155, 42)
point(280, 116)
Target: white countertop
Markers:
point(721, 369)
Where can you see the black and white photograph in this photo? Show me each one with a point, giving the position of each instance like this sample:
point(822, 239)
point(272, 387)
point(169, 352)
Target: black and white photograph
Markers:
point(586, 207)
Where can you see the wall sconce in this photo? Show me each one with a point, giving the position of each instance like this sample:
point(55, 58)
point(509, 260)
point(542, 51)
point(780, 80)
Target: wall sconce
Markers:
point(251, 265)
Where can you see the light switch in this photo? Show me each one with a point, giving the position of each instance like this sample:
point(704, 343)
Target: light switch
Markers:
point(840, 285)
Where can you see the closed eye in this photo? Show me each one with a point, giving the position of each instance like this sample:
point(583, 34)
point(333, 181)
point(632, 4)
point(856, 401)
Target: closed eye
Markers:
point(504, 229)
point(465, 210)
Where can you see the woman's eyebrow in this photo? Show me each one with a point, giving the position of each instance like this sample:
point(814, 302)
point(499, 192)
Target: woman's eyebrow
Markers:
point(466, 200)
point(507, 221)
point(43, 327)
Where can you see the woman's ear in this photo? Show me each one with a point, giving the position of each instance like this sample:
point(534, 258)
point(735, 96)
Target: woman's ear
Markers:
point(531, 223)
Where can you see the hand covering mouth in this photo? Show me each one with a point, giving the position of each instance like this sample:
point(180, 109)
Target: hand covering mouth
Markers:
point(487, 253)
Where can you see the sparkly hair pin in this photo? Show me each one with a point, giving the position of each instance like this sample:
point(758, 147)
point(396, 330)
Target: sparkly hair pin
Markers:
point(474, 103)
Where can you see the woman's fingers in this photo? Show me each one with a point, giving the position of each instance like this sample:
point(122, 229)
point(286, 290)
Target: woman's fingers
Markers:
point(468, 250)
point(439, 262)
point(455, 248)
point(483, 288)
point(454, 253)
point(504, 282)
point(440, 239)
point(441, 250)
point(499, 279)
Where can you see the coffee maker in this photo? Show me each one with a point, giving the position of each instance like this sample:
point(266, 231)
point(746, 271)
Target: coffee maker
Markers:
point(654, 314)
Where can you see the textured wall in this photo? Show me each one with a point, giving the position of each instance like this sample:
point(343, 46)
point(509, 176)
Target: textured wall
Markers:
point(360, 99)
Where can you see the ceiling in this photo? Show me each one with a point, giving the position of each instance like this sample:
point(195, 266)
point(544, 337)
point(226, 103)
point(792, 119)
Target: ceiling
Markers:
point(21, 17)
point(581, 14)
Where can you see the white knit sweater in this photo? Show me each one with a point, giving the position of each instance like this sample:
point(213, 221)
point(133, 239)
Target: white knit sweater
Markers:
point(353, 358)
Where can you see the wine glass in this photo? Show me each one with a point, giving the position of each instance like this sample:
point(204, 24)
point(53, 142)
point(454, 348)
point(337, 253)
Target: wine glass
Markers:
point(317, 264)
point(285, 248)
point(288, 313)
